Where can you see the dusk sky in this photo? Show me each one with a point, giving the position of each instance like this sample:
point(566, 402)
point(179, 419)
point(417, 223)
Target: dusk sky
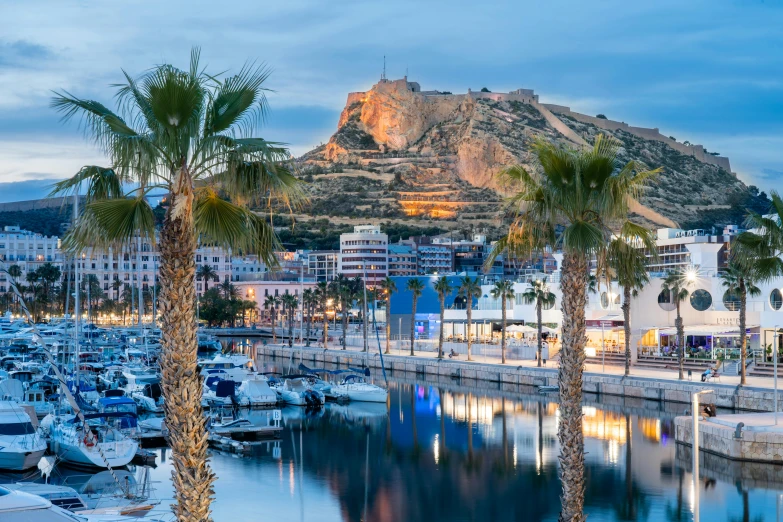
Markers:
point(710, 72)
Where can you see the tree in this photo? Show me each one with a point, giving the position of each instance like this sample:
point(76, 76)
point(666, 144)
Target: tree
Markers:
point(189, 132)
point(415, 286)
point(504, 290)
point(270, 305)
point(206, 272)
point(573, 203)
point(675, 286)
point(116, 285)
point(309, 301)
point(469, 288)
point(484, 89)
point(538, 292)
point(388, 287)
point(345, 290)
point(290, 302)
point(443, 288)
point(324, 296)
point(15, 272)
point(737, 279)
point(626, 260)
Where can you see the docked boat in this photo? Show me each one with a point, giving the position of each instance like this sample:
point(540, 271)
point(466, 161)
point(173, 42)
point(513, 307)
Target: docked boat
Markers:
point(237, 368)
point(359, 390)
point(21, 445)
point(97, 444)
point(256, 393)
point(298, 391)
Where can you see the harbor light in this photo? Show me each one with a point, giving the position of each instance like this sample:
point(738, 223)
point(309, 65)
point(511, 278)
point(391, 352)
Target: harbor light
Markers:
point(690, 275)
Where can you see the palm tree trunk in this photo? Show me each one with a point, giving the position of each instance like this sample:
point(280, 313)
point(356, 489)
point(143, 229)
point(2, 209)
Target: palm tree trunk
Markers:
point(503, 338)
point(345, 324)
point(743, 336)
point(572, 359)
point(680, 341)
point(180, 379)
point(440, 337)
point(413, 325)
point(326, 330)
point(540, 330)
point(309, 323)
point(274, 325)
point(388, 325)
point(627, 325)
point(291, 328)
point(470, 320)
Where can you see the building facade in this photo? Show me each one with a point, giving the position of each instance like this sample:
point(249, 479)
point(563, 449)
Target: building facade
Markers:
point(402, 260)
point(323, 265)
point(364, 253)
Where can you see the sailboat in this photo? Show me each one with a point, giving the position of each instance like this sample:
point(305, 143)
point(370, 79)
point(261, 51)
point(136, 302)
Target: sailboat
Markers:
point(93, 443)
point(21, 446)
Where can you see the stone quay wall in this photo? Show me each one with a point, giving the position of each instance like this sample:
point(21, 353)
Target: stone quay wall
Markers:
point(644, 388)
point(753, 446)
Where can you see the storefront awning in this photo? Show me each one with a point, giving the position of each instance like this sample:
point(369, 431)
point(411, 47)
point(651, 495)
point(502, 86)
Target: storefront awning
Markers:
point(720, 330)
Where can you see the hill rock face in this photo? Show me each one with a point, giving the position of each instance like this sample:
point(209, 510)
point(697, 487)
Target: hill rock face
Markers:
point(442, 152)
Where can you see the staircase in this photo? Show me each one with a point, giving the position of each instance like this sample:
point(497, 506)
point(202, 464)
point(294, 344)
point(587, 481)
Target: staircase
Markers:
point(610, 358)
point(671, 363)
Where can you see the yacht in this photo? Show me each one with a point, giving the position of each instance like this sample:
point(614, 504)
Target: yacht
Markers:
point(237, 367)
point(359, 390)
point(256, 392)
point(298, 391)
point(21, 446)
point(99, 445)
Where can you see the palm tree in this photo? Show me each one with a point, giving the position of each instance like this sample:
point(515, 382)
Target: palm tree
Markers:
point(538, 293)
point(116, 285)
point(415, 286)
point(15, 272)
point(573, 202)
point(190, 133)
point(270, 304)
point(627, 261)
point(503, 290)
point(206, 272)
point(323, 294)
point(290, 303)
point(389, 287)
point(737, 279)
point(469, 288)
point(346, 292)
point(675, 285)
point(309, 300)
point(443, 288)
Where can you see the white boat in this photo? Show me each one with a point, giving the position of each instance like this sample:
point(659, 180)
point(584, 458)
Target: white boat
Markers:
point(97, 446)
point(256, 392)
point(359, 390)
point(143, 386)
point(299, 392)
point(21, 445)
point(237, 367)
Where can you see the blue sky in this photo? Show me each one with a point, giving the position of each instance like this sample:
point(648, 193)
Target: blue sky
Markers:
point(710, 72)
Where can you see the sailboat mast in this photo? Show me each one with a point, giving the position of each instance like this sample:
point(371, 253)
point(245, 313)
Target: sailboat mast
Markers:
point(76, 311)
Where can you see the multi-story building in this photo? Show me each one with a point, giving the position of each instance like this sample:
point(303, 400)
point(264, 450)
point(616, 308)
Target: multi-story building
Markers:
point(364, 253)
point(402, 260)
point(28, 251)
point(323, 265)
point(247, 268)
point(680, 249)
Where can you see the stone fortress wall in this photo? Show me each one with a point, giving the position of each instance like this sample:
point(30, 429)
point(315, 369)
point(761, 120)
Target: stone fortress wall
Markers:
point(550, 112)
point(697, 151)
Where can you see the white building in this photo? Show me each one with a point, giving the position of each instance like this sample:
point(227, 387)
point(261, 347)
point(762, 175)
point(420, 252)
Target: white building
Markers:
point(247, 268)
point(323, 265)
point(364, 253)
point(27, 250)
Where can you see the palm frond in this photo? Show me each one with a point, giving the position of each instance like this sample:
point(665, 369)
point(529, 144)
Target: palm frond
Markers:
point(102, 183)
point(111, 222)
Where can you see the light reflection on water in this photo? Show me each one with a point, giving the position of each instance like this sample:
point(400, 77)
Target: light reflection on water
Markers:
point(448, 451)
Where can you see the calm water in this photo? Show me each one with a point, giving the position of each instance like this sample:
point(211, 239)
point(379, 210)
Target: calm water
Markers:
point(448, 452)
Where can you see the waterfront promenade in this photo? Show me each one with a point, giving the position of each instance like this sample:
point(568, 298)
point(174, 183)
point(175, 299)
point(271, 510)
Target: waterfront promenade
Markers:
point(643, 383)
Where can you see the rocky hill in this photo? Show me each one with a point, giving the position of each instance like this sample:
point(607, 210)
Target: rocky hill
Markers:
point(403, 154)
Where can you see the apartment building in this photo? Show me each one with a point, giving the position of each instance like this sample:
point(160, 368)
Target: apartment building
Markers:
point(364, 253)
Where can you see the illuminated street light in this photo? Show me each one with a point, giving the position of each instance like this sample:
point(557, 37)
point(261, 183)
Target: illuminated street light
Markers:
point(690, 275)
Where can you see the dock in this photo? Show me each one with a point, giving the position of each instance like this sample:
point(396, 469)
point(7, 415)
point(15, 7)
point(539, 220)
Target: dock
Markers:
point(748, 437)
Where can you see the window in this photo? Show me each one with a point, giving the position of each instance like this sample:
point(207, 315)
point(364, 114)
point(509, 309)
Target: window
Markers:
point(17, 428)
point(665, 301)
point(701, 300)
point(731, 301)
point(775, 299)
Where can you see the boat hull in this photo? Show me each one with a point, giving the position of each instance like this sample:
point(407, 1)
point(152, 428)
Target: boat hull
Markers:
point(20, 461)
point(368, 396)
point(117, 454)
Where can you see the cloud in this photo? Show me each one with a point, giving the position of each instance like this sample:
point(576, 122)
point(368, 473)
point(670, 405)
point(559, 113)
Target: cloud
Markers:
point(25, 190)
point(22, 53)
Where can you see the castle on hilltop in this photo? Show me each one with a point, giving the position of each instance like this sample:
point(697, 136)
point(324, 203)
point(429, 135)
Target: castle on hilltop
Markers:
point(553, 114)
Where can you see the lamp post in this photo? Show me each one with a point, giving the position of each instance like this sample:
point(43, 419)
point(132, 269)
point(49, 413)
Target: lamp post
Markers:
point(695, 404)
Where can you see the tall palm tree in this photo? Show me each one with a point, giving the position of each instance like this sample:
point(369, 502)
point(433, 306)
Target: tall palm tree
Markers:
point(737, 279)
point(443, 288)
point(538, 292)
point(290, 303)
point(346, 291)
point(309, 301)
point(626, 260)
point(415, 286)
point(323, 294)
point(388, 287)
point(469, 288)
point(573, 202)
point(15, 272)
point(270, 304)
point(116, 286)
point(190, 133)
point(503, 290)
point(207, 273)
point(676, 286)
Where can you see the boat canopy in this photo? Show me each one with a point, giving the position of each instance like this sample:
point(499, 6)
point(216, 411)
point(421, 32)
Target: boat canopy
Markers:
point(115, 401)
point(104, 415)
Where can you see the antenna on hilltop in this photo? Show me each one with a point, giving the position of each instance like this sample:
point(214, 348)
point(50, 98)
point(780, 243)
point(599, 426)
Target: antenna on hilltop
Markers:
point(383, 76)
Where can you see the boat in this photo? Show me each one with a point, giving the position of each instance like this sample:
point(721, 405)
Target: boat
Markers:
point(120, 404)
point(297, 391)
point(237, 367)
point(359, 390)
point(21, 445)
point(548, 389)
point(99, 445)
point(256, 392)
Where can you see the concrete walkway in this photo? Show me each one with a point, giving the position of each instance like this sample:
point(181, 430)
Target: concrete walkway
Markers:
point(597, 369)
